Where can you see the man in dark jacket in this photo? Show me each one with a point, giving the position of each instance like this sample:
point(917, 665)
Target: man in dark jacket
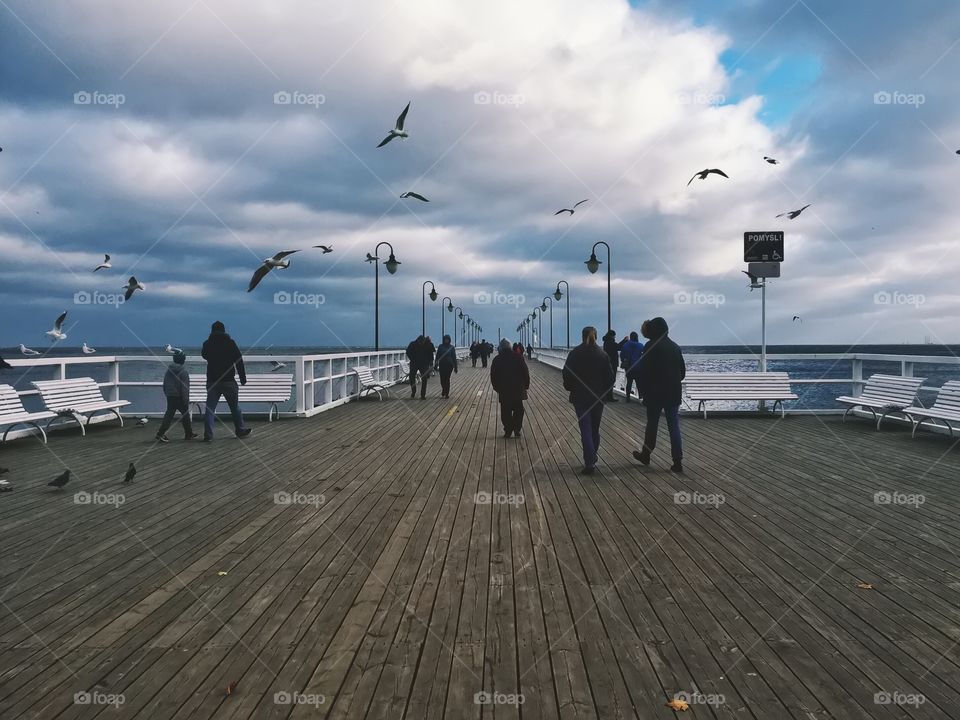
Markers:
point(630, 355)
point(486, 349)
point(661, 373)
point(474, 353)
point(588, 375)
point(445, 364)
point(224, 361)
point(612, 348)
point(510, 378)
point(420, 355)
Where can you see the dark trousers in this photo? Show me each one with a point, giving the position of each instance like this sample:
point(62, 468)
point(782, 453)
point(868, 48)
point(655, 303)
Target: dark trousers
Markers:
point(474, 360)
point(588, 418)
point(231, 393)
point(610, 392)
point(511, 415)
point(175, 405)
point(630, 382)
point(483, 359)
point(424, 375)
point(673, 423)
point(445, 372)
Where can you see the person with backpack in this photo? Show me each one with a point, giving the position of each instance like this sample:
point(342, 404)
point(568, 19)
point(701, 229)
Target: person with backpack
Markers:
point(445, 364)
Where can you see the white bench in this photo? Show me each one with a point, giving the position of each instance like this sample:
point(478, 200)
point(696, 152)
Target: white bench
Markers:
point(272, 389)
point(13, 413)
point(77, 398)
point(886, 393)
point(946, 408)
point(368, 383)
point(739, 386)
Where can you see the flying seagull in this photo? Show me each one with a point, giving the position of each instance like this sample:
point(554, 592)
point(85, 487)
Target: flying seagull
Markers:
point(397, 131)
point(772, 161)
point(794, 213)
point(371, 258)
point(24, 350)
point(415, 196)
point(797, 317)
point(60, 480)
point(131, 287)
point(171, 349)
point(4, 365)
point(277, 261)
point(704, 173)
point(130, 474)
point(105, 265)
point(277, 365)
point(326, 248)
point(87, 350)
point(57, 332)
point(569, 210)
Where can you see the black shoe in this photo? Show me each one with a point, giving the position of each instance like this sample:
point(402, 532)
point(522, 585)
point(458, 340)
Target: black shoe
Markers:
point(507, 434)
point(643, 457)
point(516, 433)
point(677, 467)
point(207, 438)
point(191, 436)
point(588, 470)
point(244, 433)
point(163, 438)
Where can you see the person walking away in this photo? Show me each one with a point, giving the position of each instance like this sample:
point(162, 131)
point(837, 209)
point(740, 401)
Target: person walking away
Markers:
point(511, 381)
point(588, 375)
point(661, 376)
point(420, 355)
point(176, 388)
point(517, 348)
point(474, 353)
point(530, 351)
point(445, 364)
point(612, 348)
point(630, 355)
point(485, 350)
point(224, 362)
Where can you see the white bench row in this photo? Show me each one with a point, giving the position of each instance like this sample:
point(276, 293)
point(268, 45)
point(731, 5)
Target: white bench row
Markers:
point(271, 389)
point(774, 386)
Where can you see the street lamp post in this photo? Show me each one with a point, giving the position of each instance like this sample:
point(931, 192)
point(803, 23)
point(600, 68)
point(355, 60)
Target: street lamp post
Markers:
point(593, 265)
point(449, 308)
point(558, 295)
point(423, 304)
point(543, 309)
point(391, 265)
point(458, 313)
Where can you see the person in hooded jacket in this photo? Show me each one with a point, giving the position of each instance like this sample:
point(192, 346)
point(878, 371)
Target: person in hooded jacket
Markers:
point(510, 378)
point(662, 371)
point(224, 362)
point(445, 364)
point(612, 348)
point(630, 355)
point(486, 350)
point(588, 375)
point(176, 388)
point(474, 352)
point(420, 354)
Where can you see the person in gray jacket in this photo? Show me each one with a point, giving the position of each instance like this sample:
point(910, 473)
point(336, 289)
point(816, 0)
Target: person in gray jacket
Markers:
point(176, 386)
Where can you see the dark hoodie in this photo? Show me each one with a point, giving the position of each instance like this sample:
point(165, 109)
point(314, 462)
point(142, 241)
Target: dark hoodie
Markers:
point(509, 375)
point(662, 369)
point(223, 359)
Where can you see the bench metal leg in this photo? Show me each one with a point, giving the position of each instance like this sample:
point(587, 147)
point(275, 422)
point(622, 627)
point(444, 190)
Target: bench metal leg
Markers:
point(36, 425)
point(273, 408)
point(76, 418)
point(703, 406)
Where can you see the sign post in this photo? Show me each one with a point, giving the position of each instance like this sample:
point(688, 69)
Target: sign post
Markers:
point(764, 253)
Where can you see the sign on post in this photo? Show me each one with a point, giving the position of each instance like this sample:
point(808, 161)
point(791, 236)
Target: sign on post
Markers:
point(763, 246)
point(764, 269)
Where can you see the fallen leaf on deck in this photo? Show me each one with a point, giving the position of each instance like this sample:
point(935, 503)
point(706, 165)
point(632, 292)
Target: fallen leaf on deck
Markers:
point(864, 586)
point(678, 705)
point(231, 687)
point(222, 572)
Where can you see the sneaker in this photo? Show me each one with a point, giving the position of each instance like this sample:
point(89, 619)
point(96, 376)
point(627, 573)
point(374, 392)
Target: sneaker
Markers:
point(207, 438)
point(677, 467)
point(507, 434)
point(588, 470)
point(516, 433)
point(244, 433)
point(642, 457)
point(163, 438)
point(191, 436)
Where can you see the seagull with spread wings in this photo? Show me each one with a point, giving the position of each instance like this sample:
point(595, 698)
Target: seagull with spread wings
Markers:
point(131, 287)
point(326, 248)
point(702, 175)
point(277, 261)
point(57, 332)
point(105, 265)
point(415, 196)
point(570, 210)
point(793, 214)
point(772, 161)
point(398, 131)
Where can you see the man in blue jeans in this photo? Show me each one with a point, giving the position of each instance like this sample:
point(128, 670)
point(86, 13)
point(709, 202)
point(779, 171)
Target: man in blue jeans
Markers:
point(661, 374)
point(588, 376)
point(224, 361)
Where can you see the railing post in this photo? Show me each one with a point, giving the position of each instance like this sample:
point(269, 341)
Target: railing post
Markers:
point(115, 380)
point(857, 367)
point(299, 375)
point(906, 368)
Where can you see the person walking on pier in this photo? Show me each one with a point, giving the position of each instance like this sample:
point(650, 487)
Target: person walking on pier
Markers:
point(612, 348)
point(224, 362)
point(662, 370)
point(588, 376)
point(511, 381)
point(630, 355)
point(445, 364)
point(485, 350)
point(420, 355)
point(176, 388)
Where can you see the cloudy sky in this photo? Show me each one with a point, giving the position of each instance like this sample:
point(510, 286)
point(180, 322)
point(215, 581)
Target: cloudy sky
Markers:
point(192, 138)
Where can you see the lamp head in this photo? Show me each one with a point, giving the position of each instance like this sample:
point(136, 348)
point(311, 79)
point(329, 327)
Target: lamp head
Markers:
point(543, 307)
point(450, 306)
point(558, 295)
point(434, 295)
point(391, 264)
point(592, 264)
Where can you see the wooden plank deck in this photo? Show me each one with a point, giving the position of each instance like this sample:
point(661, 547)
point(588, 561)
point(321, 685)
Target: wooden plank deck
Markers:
point(446, 565)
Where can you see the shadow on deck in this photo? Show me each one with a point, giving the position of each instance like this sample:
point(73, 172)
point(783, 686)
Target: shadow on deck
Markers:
point(400, 559)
